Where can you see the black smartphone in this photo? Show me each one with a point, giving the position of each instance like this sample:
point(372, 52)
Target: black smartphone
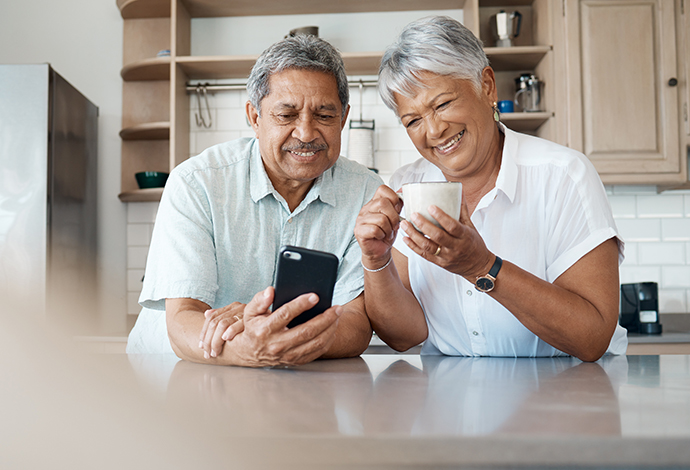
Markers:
point(302, 271)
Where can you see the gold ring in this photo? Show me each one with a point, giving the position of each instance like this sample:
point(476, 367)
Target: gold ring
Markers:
point(438, 250)
point(237, 317)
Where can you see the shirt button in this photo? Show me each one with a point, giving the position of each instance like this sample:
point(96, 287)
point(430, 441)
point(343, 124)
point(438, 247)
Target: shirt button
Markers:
point(475, 333)
point(469, 292)
point(290, 220)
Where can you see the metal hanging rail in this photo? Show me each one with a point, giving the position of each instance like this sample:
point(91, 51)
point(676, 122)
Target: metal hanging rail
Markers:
point(202, 89)
point(213, 87)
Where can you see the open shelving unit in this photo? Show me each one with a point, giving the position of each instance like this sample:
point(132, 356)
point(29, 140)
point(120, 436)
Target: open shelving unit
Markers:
point(155, 127)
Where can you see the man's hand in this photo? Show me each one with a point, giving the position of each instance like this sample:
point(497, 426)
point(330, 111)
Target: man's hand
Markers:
point(220, 325)
point(267, 341)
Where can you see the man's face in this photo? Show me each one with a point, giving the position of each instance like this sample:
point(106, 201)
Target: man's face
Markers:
point(300, 126)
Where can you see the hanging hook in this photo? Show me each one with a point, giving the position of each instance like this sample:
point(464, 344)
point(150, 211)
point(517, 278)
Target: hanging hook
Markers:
point(199, 115)
point(361, 92)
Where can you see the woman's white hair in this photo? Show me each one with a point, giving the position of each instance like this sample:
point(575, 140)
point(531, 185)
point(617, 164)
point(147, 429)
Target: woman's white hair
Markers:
point(436, 44)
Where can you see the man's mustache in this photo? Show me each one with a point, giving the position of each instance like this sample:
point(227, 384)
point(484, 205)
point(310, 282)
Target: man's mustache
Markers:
point(304, 147)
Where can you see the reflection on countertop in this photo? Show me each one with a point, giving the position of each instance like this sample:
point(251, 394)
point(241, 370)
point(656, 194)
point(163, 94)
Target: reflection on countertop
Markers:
point(408, 395)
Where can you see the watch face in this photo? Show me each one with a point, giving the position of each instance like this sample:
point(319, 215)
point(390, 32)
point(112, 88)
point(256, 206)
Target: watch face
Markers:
point(484, 284)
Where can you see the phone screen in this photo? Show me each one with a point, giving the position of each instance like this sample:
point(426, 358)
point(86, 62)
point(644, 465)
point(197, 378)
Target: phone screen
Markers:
point(302, 271)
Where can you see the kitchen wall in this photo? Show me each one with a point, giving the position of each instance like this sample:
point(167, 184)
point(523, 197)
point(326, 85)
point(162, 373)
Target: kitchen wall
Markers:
point(655, 227)
point(82, 40)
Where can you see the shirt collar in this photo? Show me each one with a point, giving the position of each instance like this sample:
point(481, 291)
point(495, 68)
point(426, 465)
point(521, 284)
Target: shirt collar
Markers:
point(261, 185)
point(506, 181)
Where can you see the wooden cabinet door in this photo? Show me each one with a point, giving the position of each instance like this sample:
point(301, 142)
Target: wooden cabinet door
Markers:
point(622, 111)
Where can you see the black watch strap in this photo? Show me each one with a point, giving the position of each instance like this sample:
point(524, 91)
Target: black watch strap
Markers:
point(493, 272)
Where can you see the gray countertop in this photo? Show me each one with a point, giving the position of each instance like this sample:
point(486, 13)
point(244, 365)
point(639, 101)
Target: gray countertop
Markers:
point(428, 411)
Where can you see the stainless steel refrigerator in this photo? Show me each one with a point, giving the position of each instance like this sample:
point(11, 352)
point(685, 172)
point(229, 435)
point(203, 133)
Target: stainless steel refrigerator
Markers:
point(48, 146)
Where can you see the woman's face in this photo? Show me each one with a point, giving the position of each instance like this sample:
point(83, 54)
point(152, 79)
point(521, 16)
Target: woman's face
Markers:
point(451, 124)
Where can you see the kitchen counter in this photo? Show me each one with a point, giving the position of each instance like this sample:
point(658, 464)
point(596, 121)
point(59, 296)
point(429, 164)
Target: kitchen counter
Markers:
point(415, 411)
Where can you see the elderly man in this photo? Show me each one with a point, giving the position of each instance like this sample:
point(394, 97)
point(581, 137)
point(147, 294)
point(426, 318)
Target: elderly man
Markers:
point(225, 214)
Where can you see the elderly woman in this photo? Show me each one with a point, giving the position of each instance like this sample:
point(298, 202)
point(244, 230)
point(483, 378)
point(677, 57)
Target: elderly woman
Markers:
point(531, 266)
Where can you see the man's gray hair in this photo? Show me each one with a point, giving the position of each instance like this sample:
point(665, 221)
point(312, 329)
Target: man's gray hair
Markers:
point(436, 44)
point(302, 51)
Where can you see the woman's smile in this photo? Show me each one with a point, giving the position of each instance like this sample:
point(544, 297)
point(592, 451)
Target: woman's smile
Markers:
point(451, 144)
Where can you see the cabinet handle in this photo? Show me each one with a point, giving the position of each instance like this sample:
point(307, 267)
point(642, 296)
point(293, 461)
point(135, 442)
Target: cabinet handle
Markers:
point(673, 82)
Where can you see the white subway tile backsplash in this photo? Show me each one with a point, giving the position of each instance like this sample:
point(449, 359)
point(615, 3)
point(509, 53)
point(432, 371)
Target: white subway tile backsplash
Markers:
point(630, 253)
point(660, 205)
point(623, 207)
point(387, 160)
point(394, 139)
point(675, 277)
point(675, 229)
point(142, 212)
point(135, 278)
point(661, 253)
point(672, 301)
point(629, 274)
point(634, 190)
point(206, 139)
point(229, 100)
point(409, 156)
point(232, 119)
point(133, 307)
point(639, 230)
point(136, 256)
point(138, 234)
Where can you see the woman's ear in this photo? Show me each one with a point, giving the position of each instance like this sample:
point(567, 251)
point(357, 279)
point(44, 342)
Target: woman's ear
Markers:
point(489, 84)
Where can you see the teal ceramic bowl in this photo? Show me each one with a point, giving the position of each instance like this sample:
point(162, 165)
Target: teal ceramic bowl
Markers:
point(151, 179)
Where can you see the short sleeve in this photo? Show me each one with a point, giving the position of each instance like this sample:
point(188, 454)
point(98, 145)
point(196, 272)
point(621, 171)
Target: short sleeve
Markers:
point(182, 258)
point(582, 221)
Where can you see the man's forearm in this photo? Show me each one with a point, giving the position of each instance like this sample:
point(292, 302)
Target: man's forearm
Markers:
point(354, 331)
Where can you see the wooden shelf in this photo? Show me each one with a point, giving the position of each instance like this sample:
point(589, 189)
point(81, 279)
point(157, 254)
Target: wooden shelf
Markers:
point(147, 131)
point(144, 8)
point(516, 58)
point(209, 67)
point(156, 68)
point(214, 8)
point(356, 63)
point(197, 67)
point(142, 195)
point(525, 122)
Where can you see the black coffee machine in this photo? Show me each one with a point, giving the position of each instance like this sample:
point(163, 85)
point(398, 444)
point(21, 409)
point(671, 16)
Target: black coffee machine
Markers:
point(639, 308)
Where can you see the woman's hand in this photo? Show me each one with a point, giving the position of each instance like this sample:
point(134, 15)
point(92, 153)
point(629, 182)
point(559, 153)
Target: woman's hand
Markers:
point(221, 325)
point(377, 225)
point(456, 247)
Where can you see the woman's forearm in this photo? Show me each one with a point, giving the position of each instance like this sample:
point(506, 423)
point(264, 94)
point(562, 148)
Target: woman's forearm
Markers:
point(394, 312)
point(578, 313)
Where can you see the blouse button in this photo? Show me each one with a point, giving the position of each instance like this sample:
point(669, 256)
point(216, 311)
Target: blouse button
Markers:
point(290, 220)
point(475, 333)
point(469, 292)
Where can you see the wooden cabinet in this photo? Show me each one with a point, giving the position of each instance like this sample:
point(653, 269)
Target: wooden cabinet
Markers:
point(627, 88)
point(155, 116)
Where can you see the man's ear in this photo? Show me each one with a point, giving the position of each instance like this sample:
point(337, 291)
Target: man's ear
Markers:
point(347, 112)
point(253, 117)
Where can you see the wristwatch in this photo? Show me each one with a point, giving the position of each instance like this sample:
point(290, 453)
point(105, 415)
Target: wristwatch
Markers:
point(488, 282)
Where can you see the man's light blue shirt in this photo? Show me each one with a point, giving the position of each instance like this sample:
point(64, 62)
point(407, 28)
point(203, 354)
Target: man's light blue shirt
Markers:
point(221, 224)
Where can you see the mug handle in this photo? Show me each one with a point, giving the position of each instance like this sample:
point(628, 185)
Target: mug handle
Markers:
point(517, 95)
point(518, 15)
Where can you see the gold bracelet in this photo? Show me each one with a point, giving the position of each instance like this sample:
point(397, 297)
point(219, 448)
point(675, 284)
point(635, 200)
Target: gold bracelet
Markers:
point(379, 269)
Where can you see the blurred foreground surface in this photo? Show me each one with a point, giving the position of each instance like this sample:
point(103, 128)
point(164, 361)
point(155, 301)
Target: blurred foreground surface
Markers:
point(62, 408)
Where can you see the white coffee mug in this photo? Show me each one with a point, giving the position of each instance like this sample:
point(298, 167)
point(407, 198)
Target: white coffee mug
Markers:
point(446, 195)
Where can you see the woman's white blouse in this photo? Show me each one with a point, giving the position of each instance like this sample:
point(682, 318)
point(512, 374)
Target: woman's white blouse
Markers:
point(548, 209)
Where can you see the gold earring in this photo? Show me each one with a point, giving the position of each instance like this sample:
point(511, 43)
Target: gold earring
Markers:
point(497, 117)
